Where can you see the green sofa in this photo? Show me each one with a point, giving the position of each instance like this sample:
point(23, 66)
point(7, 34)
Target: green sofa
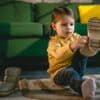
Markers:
point(22, 44)
point(24, 34)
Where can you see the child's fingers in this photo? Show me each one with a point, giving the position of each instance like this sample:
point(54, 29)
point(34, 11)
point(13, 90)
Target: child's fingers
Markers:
point(83, 39)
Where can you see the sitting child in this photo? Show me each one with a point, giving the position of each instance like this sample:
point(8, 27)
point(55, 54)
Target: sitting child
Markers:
point(67, 59)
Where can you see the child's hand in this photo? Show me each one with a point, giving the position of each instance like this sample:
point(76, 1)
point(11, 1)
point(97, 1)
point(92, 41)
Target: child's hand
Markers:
point(80, 43)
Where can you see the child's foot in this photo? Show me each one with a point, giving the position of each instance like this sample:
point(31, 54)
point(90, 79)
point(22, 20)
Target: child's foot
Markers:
point(88, 88)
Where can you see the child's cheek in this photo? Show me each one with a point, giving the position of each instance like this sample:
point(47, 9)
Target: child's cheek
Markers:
point(64, 28)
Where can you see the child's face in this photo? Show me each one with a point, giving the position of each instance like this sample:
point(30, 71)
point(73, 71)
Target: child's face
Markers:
point(64, 26)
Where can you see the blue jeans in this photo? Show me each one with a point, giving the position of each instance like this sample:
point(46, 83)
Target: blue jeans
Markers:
point(72, 75)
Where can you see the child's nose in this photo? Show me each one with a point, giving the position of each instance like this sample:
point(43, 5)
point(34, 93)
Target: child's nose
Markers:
point(68, 26)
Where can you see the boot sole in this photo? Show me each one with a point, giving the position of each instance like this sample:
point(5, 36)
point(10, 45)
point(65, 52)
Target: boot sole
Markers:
point(7, 93)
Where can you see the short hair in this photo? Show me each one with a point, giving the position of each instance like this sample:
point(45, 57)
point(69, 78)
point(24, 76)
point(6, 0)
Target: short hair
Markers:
point(59, 12)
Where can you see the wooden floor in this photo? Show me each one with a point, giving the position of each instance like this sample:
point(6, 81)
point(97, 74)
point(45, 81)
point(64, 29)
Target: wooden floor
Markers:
point(18, 96)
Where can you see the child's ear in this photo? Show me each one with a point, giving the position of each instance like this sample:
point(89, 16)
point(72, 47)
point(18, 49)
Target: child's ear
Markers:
point(53, 26)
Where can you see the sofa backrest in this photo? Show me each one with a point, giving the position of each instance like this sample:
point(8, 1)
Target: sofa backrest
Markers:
point(43, 11)
point(22, 39)
point(16, 11)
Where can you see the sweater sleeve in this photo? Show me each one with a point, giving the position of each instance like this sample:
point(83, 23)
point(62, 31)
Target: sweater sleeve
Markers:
point(58, 51)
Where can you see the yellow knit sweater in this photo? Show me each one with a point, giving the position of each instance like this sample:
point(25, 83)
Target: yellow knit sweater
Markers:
point(59, 53)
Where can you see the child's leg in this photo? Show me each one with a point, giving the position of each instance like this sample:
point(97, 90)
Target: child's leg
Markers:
point(79, 63)
point(68, 76)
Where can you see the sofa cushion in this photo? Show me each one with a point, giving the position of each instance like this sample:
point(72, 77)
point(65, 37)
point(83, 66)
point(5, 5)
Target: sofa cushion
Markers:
point(23, 12)
point(26, 29)
point(26, 47)
point(20, 29)
point(7, 13)
point(88, 11)
point(4, 29)
point(16, 11)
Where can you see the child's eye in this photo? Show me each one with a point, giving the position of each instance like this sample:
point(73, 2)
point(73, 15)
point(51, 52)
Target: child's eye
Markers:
point(63, 24)
point(72, 24)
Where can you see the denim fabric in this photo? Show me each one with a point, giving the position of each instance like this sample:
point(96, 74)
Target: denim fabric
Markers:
point(72, 75)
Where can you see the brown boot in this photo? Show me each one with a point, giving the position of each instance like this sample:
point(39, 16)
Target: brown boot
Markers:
point(94, 33)
point(12, 74)
point(11, 78)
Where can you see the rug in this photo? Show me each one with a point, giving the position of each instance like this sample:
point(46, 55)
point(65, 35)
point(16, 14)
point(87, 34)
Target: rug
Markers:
point(45, 89)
